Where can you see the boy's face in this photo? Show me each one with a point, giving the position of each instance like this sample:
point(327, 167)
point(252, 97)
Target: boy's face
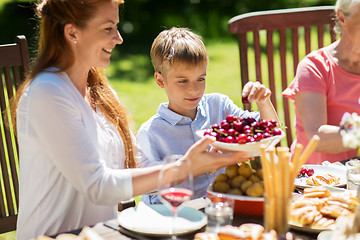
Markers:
point(184, 85)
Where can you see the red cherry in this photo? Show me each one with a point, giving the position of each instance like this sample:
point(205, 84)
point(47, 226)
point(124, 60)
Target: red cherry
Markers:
point(221, 132)
point(238, 126)
point(272, 124)
point(258, 137)
point(256, 125)
point(241, 138)
point(230, 139)
point(276, 131)
point(231, 118)
point(215, 126)
point(310, 172)
point(225, 125)
point(264, 123)
point(213, 134)
point(302, 172)
point(248, 132)
point(245, 99)
point(207, 132)
point(249, 138)
point(232, 132)
point(246, 127)
point(266, 135)
point(251, 120)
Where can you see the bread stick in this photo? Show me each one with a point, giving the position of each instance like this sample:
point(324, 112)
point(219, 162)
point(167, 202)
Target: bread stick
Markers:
point(309, 149)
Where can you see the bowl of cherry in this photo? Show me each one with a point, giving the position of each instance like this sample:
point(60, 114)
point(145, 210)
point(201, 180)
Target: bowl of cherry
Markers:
point(244, 134)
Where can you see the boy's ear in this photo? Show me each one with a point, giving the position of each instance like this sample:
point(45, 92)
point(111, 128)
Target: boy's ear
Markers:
point(159, 79)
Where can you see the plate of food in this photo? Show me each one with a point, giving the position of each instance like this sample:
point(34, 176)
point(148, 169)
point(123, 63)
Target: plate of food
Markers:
point(321, 176)
point(319, 207)
point(156, 220)
point(242, 184)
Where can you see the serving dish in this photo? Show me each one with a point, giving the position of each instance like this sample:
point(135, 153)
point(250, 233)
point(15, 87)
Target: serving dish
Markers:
point(252, 148)
point(321, 170)
point(306, 228)
point(243, 205)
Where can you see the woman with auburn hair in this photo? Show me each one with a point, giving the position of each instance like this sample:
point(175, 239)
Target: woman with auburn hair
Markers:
point(77, 152)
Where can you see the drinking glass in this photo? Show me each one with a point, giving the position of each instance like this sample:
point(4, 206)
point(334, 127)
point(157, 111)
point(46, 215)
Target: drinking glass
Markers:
point(219, 212)
point(175, 187)
point(353, 174)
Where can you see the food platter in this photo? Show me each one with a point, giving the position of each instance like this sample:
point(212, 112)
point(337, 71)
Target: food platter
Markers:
point(243, 205)
point(252, 148)
point(320, 170)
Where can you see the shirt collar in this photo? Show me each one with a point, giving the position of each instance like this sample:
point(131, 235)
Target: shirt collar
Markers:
point(174, 118)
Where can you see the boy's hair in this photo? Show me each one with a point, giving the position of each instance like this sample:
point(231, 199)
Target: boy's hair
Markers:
point(177, 45)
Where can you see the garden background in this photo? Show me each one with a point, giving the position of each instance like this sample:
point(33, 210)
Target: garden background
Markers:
point(131, 72)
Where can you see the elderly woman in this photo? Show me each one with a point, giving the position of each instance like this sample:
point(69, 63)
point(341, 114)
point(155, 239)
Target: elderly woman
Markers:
point(73, 133)
point(326, 85)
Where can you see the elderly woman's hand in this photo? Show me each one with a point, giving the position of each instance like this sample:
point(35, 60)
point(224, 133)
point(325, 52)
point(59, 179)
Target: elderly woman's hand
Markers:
point(256, 92)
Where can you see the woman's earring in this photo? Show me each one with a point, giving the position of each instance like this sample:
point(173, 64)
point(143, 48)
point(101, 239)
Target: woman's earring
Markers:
point(75, 42)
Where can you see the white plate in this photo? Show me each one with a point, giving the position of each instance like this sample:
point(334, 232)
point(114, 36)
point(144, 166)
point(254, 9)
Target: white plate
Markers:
point(253, 149)
point(306, 229)
point(325, 235)
point(196, 218)
point(320, 170)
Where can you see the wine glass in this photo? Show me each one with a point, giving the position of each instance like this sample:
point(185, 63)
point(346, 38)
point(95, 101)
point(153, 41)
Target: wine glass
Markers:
point(175, 186)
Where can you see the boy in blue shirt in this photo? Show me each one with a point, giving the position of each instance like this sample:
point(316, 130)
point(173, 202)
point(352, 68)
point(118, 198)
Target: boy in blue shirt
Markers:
point(180, 61)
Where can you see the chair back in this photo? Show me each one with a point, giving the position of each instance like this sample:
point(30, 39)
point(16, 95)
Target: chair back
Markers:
point(271, 44)
point(14, 64)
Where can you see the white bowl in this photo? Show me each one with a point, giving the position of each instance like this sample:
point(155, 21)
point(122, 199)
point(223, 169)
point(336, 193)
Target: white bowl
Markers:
point(252, 148)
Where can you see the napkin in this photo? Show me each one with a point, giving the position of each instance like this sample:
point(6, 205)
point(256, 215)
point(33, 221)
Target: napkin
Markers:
point(335, 165)
point(146, 219)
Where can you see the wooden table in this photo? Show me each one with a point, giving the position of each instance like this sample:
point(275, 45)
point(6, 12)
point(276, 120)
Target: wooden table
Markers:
point(122, 234)
point(119, 233)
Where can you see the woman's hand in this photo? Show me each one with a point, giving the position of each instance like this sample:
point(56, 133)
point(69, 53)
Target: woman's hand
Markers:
point(204, 161)
point(256, 92)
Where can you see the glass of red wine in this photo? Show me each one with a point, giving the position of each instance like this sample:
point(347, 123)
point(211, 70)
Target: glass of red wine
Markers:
point(175, 187)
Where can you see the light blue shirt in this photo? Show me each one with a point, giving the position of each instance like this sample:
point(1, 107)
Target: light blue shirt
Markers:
point(167, 133)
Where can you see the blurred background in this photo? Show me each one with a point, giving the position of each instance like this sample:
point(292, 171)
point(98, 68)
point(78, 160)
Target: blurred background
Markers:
point(142, 20)
point(131, 72)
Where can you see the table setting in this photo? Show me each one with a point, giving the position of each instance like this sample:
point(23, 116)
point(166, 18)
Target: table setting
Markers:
point(284, 199)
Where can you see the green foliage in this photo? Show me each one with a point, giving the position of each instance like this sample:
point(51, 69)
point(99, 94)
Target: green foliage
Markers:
point(142, 20)
point(8, 236)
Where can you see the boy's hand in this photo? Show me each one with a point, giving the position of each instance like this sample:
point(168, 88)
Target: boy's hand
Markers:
point(256, 92)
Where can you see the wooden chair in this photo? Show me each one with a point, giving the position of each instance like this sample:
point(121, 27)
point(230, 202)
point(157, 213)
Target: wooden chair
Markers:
point(263, 36)
point(14, 64)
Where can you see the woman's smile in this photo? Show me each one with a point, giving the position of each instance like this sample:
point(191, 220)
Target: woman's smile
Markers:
point(108, 50)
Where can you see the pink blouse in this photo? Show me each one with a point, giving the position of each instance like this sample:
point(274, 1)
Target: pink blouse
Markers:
point(319, 73)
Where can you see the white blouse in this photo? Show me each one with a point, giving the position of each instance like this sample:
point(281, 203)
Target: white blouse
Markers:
point(69, 160)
